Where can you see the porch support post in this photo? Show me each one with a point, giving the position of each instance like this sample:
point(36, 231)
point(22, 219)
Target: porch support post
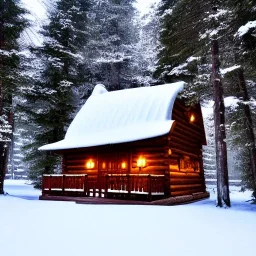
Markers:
point(86, 192)
point(128, 186)
point(63, 184)
point(130, 162)
point(99, 176)
point(106, 186)
point(50, 184)
point(149, 187)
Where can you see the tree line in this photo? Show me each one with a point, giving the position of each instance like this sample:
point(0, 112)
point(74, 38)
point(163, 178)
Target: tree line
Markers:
point(85, 42)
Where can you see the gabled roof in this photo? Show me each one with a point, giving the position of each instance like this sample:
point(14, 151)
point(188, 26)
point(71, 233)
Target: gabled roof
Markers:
point(121, 116)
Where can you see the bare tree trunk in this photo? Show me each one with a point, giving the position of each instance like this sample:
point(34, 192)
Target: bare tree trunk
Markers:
point(248, 126)
point(2, 174)
point(1, 65)
point(2, 148)
point(223, 198)
point(3, 164)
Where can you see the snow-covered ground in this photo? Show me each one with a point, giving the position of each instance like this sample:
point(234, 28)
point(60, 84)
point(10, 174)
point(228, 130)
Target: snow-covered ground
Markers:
point(33, 227)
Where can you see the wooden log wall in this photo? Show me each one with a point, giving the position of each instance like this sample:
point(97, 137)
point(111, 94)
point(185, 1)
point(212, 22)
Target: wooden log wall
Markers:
point(185, 151)
point(155, 152)
point(157, 161)
point(177, 155)
point(75, 163)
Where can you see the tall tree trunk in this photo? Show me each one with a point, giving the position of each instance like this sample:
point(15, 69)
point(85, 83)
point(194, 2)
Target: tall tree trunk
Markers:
point(223, 198)
point(2, 174)
point(1, 65)
point(3, 164)
point(248, 126)
point(2, 146)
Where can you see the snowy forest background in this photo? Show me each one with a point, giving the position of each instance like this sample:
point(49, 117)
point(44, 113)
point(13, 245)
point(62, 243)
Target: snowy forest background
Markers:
point(50, 60)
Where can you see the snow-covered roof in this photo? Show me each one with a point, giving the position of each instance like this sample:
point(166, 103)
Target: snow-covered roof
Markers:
point(121, 116)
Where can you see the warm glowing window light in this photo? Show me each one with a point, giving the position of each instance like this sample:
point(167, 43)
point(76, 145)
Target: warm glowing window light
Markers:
point(90, 164)
point(123, 165)
point(141, 162)
point(192, 118)
point(103, 165)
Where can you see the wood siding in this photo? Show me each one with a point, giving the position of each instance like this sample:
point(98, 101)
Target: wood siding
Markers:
point(185, 150)
point(176, 155)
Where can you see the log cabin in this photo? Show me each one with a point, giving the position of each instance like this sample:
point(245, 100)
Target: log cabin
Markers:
point(135, 144)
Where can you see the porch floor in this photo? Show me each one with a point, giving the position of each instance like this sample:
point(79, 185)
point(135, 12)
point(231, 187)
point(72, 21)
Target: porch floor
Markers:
point(97, 200)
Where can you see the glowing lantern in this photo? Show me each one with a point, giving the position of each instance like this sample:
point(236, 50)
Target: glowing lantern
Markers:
point(123, 165)
point(192, 118)
point(141, 162)
point(90, 164)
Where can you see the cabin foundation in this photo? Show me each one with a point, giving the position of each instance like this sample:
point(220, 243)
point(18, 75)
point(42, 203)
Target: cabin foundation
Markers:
point(163, 202)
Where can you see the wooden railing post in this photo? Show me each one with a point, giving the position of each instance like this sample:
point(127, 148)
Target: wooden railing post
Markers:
point(63, 184)
point(85, 185)
point(50, 184)
point(149, 187)
point(128, 186)
point(106, 186)
point(93, 190)
point(99, 186)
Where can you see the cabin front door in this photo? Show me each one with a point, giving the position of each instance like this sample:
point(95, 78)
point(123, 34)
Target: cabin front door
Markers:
point(112, 163)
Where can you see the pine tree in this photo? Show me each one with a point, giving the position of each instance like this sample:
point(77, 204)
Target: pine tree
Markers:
point(223, 198)
point(147, 47)
point(50, 102)
point(16, 166)
point(184, 50)
point(241, 119)
point(242, 26)
point(112, 46)
point(12, 23)
point(189, 30)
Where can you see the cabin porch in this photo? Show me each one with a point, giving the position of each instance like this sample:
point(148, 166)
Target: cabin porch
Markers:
point(118, 186)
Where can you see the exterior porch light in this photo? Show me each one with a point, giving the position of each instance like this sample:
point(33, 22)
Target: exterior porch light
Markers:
point(90, 164)
point(141, 162)
point(123, 165)
point(192, 118)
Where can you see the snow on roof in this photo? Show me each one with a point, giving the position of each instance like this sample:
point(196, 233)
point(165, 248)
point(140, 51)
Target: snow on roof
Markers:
point(121, 116)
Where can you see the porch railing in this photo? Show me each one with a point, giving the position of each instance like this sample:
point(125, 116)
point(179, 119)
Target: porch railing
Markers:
point(65, 184)
point(135, 184)
point(125, 185)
